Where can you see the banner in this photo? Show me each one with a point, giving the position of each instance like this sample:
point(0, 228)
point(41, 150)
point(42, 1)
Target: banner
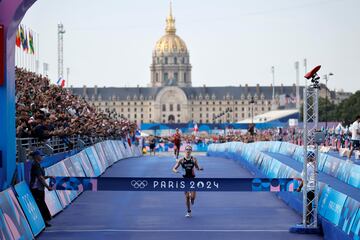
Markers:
point(176, 184)
point(16, 222)
point(52, 201)
point(30, 208)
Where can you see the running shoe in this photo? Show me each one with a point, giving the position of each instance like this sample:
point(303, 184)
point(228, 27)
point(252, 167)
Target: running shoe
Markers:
point(188, 214)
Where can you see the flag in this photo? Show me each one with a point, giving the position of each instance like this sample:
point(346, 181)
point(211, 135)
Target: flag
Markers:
point(25, 44)
point(196, 129)
point(18, 39)
point(22, 36)
point(31, 43)
point(61, 82)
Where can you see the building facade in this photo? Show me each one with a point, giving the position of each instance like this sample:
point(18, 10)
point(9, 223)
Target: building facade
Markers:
point(172, 98)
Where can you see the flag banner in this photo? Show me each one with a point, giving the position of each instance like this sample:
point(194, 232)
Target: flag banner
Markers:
point(175, 184)
point(31, 43)
point(18, 39)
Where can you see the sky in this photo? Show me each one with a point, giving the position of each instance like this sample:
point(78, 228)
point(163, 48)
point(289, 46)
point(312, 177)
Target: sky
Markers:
point(231, 42)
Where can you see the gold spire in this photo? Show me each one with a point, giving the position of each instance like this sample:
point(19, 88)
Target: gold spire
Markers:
point(170, 22)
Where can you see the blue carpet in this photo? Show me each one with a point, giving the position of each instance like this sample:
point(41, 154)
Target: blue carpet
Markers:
point(160, 215)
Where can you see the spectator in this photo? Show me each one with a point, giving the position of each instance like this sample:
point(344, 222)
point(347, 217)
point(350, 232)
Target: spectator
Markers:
point(355, 136)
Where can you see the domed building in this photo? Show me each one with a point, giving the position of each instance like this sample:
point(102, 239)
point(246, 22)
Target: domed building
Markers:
point(171, 98)
point(170, 60)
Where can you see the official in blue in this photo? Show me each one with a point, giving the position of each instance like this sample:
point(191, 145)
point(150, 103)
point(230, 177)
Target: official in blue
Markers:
point(38, 185)
point(188, 163)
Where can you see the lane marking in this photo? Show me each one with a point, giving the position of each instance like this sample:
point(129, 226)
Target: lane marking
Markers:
point(170, 230)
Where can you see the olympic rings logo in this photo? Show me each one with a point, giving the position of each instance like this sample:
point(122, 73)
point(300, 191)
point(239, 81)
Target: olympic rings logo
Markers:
point(139, 184)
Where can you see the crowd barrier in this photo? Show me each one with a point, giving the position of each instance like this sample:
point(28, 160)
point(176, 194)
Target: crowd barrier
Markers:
point(20, 217)
point(338, 213)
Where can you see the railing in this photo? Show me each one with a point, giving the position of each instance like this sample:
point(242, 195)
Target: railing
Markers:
point(53, 145)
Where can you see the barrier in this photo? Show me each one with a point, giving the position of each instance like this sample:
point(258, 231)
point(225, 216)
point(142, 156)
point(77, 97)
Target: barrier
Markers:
point(29, 208)
point(13, 219)
point(339, 213)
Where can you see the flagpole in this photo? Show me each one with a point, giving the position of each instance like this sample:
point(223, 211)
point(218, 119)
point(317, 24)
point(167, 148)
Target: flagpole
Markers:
point(38, 50)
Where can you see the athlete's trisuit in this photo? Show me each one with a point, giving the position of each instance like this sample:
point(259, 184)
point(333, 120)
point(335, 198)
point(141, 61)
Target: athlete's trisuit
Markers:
point(188, 163)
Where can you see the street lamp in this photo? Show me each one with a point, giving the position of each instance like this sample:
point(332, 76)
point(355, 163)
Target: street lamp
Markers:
point(252, 110)
point(326, 77)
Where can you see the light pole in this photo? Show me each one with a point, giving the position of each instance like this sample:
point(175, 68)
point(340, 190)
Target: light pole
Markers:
point(326, 77)
point(252, 110)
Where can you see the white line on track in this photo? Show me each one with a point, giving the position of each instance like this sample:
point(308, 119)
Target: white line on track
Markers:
point(170, 230)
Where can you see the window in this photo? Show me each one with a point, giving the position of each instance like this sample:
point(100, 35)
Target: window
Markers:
point(163, 121)
point(178, 108)
point(122, 104)
point(262, 109)
point(236, 109)
point(142, 121)
point(213, 109)
point(171, 108)
point(200, 109)
point(166, 77)
point(122, 110)
point(163, 115)
point(220, 103)
point(128, 103)
point(183, 60)
point(166, 60)
point(175, 60)
point(207, 115)
point(200, 121)
point(149, 109)
point(176, 76)
point(242, 109)
point(192, 109)
point(242, 115)
point(164, 107)
point(135, 109)
point(207, 103)
point(114, 103)
point(128, 109)
point(142, 110)
point(200, 103)
point(220, 109)
point(105, 103)
point(128, 115)
point(213, 103)
point(185, 77)
point(142, 115)
point(135, 115)
point(142, 103)
point(207, 109)
point(269, 108)
point(150, 115)
point(200, 114)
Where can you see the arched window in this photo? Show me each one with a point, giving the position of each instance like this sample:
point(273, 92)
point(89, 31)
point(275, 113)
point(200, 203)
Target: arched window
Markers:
point(164, 107)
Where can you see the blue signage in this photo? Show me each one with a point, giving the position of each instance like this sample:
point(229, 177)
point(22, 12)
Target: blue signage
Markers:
point(175, 184)
point(30, 208)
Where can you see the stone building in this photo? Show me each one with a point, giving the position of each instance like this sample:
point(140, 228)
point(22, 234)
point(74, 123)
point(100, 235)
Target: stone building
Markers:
point(172, 98)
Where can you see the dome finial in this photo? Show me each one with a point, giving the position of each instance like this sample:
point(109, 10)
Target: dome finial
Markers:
point(170, 22)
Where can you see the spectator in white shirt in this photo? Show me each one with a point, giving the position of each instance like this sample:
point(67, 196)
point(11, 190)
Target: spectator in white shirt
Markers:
point(355, 136)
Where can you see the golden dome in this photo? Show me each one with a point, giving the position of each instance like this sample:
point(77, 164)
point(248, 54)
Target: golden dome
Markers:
point(170, 42)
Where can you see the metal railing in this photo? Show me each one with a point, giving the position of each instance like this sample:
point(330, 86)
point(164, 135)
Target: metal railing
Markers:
point(24, 146)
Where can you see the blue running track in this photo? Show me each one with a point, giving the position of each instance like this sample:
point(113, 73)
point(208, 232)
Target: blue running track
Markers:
point(161, 215)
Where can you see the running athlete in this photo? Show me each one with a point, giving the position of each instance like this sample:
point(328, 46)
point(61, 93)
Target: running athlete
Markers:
point(188, 163)
point(177, 143)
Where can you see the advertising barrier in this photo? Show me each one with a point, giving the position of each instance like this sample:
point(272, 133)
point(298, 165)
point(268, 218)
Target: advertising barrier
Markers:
point(29, 208)
point(15, 220)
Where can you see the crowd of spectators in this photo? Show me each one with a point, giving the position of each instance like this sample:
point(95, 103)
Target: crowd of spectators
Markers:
point(45, 110)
